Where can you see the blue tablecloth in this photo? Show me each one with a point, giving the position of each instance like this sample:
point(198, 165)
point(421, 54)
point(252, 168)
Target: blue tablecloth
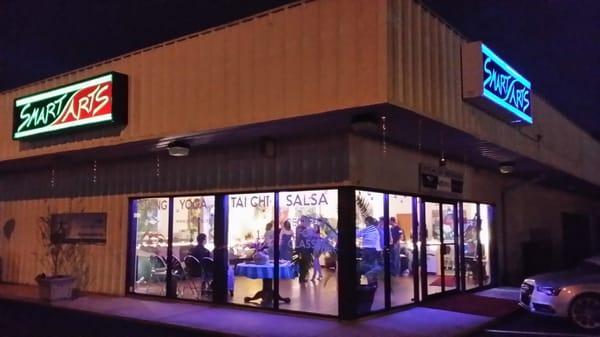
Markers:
point(287, 270)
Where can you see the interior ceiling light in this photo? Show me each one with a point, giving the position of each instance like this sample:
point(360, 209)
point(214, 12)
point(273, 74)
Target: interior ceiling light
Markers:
point(178, 148)
point(443, 160)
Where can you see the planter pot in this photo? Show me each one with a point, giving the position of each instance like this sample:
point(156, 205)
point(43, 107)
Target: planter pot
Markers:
point(56, 288)
point(365, 295)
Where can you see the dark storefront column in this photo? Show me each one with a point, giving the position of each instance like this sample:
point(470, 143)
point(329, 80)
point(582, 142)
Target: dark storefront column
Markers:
point(347, 253)
point(220, 253)
point(387, 251)
point(171, 283)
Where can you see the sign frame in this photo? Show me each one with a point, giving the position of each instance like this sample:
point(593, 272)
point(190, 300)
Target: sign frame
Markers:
point(118, 114)
point(71, 228)
point(478, 60)
point(440, 181)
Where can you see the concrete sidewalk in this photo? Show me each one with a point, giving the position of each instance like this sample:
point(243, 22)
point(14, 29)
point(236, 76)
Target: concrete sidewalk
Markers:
point(413, 322)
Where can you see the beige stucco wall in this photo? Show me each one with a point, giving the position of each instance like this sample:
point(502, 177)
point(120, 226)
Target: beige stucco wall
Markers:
point(534, 213)
point(397, 169)
point(23, 254)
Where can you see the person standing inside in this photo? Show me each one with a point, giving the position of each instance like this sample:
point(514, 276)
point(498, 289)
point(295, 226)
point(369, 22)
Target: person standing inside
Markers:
point(269, 239)
point(396, 236)
point(285, 241)
point(318, 249)
point(304, 246)
point(199, 251)
point(370, 249)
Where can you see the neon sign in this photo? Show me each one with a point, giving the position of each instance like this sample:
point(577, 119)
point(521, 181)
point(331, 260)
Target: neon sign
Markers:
point(96, 101)
point(504, 86)
point(489, 79)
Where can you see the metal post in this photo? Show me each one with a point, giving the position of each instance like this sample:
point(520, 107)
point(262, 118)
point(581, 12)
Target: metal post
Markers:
point(171, 291)
point(347, 280)
point(386, 251)
point(220, 253)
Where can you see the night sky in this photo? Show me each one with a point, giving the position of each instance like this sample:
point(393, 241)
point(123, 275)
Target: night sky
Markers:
point(554, 43)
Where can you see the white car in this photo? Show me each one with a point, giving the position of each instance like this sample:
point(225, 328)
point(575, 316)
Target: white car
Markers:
point(573, 294)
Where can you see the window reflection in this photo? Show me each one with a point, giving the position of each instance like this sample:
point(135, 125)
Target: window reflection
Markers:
point(151, 221)
point(369, 251)
point(484, 237)
point(470, 244)
point(308, 237)
point(449, 245)
point(433, 247)
point(401, 249)
point(250, 237)
point(193, 246)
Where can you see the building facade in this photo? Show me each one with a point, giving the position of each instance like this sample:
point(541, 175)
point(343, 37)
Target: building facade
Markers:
point(309, 127)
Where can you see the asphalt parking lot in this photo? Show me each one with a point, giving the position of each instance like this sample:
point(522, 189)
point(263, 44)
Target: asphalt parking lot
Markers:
point(525, 324)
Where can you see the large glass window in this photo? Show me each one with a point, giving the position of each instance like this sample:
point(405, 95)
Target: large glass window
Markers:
point(308, 245)
point(306, 240)
point(449, 244)
point(433, 250)
point(401, 249)
point(470, 245)
point(250, 244)
point(193, 246)
point(369, 251)
point(151, 222)
point(484, 237)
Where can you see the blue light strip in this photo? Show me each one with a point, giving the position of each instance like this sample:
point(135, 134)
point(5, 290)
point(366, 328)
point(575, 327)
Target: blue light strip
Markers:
point(497, 100)
point(487, 51)
point(491, 96)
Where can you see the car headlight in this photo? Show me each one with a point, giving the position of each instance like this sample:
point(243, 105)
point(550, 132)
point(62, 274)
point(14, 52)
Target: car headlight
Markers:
point(550, 291)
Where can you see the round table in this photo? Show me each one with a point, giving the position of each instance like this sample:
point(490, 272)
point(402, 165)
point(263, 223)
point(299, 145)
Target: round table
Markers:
point(287, 270)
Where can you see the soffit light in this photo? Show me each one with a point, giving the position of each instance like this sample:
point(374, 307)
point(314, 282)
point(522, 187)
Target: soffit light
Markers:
point(178, 148)
point(507, 167)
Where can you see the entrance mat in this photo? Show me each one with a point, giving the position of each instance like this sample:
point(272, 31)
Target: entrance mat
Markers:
point(449, 281)
point(474, 305)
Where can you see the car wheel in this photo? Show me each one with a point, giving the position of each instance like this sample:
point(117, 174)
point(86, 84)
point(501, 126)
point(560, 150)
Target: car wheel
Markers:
point(585, 311)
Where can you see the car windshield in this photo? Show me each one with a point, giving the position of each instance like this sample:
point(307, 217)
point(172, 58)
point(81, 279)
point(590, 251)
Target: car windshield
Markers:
point(589, 266)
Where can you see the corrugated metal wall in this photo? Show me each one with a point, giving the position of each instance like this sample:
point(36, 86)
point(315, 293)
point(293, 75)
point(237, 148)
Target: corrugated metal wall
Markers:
point(425, 66)
point(303, 59)
point(22, 254)
point(26, 196)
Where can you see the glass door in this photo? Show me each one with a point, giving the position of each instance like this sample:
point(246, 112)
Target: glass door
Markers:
point(449, 246)
point(438, 244)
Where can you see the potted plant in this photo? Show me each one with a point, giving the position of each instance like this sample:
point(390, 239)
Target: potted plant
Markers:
point(61, 260)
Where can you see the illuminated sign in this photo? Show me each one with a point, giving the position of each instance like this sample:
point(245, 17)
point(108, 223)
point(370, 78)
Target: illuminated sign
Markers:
point(96, 101)
point(492, 84)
